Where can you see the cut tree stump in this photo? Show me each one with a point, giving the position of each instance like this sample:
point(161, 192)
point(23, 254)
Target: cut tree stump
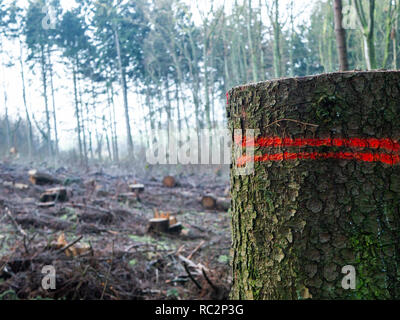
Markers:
point(158, 225)
point(169, 182)
point(321, 195)
point(137, 188)
point(56, 194)
point(41, 178)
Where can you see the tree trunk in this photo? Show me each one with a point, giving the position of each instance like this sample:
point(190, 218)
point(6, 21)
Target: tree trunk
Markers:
point(77, 115)
point(124, 93)
point(340, 36)
point(53, 102)
point(326, 197)
point(46, 104)
point(254, 66)
point(28, 118)
point(366, 19)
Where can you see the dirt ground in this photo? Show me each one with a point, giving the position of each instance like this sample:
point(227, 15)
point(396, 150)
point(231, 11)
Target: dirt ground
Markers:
point(119, 258)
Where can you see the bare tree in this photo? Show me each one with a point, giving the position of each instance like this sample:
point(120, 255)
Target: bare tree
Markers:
point(340, 35)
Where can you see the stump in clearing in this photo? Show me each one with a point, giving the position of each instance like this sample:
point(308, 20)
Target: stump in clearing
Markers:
point(137, 188)
point(169, 182)
point(211, 202)
point(325, 190)
point(208, 202)
point(158, 225)
point(41, 178)
point(55, 194)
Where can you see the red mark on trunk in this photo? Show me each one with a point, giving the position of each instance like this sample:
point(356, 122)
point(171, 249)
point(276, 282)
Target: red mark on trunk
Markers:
point(386, 144)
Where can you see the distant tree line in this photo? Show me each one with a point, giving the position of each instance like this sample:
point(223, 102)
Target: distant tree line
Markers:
point(179, 68)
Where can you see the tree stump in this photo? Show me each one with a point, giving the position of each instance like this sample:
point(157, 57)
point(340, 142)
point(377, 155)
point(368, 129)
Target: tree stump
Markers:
point(158, 225)
point(169, 182)
point(41, 178)
point(208, 202)
point(325, 189)
point(56, 194)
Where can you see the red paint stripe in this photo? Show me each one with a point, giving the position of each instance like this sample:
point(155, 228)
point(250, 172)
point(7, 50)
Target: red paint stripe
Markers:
point(373, 143)
point(366, 157)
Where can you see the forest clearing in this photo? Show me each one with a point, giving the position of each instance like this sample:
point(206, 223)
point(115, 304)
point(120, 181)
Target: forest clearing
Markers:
point(119, 257)
point(199, 150)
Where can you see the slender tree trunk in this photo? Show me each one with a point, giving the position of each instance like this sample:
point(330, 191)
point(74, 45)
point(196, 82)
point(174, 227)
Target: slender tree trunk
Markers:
point(395, 32)
point(388, 33)
point(340, 36)
point(115, 136)
point(309, 209)
point(254, 66)
point(46, 104)
point(124, 93)
point(8, 131)
point(77, 115)
point(53, 101)
point(28, 119)
point(367, 23)
point(276, 25)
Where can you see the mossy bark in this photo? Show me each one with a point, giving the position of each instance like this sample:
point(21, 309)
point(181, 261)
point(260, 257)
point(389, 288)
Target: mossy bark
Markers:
point(296, 223)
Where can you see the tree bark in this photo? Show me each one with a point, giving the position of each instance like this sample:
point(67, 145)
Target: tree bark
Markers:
point(340, 36)
point(313, 206)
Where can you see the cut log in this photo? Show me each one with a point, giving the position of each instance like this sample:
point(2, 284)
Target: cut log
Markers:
point(46, 204)
point(158, 225)
point(211, 202)
point(41, 178)
point(137, 188)
point(55, 194)
point(169, 182)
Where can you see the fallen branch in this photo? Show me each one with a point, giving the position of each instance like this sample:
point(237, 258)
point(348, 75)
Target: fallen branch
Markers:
point(195, 250)
point(17, 226)
point(69, 245)
point(190, 275)
point(215, 288)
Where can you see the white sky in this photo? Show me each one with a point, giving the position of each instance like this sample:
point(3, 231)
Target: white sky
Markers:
point(63, 82)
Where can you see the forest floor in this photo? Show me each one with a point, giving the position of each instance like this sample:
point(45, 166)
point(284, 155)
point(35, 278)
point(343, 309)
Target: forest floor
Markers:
point(115, 256)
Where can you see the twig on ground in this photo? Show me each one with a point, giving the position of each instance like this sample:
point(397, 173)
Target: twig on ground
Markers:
point(108, 273)
point(70, 245)
point(190, 275)
point(195, 250)
point(209, 281)
point(17, 226)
